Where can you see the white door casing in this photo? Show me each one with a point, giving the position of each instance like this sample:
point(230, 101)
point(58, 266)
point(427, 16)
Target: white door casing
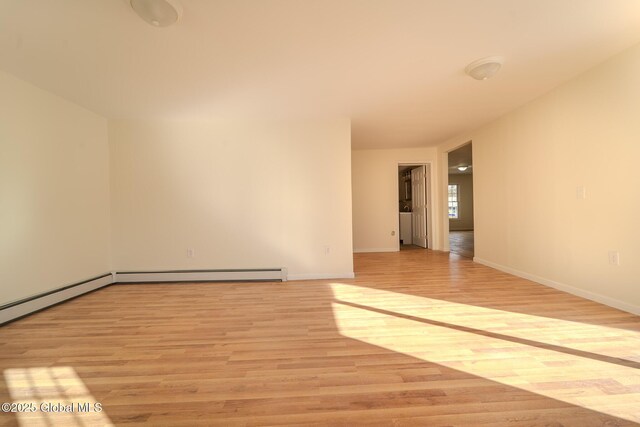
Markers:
point(427, 192)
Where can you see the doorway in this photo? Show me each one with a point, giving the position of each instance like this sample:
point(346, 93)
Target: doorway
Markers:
point(414, 181)
point(460, 201)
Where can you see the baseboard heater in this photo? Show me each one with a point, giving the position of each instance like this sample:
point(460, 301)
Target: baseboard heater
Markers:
point(17, 309)
point(239, 275)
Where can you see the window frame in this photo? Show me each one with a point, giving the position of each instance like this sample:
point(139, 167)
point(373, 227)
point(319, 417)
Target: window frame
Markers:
point(453, 203)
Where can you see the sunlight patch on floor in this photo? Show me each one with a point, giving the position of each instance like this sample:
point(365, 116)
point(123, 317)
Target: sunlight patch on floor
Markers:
point(515, 349)
point(571, 334)
point(46, 396)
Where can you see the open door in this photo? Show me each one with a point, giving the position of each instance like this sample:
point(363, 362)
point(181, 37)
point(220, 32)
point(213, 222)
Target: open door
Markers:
point(419, 206)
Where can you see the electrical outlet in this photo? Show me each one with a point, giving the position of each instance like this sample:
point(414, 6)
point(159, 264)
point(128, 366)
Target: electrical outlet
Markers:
point(614, 257)
point(393, 232)
point(327, 250)
point(191, 253)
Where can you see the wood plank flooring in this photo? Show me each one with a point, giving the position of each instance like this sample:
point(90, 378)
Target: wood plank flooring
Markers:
point(462, 243)
point(419, 338)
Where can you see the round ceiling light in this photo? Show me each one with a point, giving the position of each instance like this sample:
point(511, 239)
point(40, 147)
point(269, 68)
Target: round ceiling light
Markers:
point(159, 13)
point(484, 68)
point(463, 168)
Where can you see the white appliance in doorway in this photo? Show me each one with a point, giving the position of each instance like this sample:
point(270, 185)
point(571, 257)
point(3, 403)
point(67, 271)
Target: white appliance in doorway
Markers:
point(406, 233)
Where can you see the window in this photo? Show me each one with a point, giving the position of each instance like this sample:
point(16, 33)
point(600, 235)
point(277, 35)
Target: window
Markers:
point(453, 200)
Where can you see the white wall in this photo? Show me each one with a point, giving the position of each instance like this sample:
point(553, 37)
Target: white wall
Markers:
point(527, 167)
point(242, 195)
point(54, 192)
point(375, 195)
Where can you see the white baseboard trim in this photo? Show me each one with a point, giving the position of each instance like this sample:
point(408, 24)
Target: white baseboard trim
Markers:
point(603, 299)
point(367, 250)
point(21, 308)
point(320, 276)
point(269, 274)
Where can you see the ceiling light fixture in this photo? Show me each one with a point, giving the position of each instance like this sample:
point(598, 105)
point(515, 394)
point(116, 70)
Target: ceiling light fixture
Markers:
point(159, 13)
point(463, 168)
point(484, 68)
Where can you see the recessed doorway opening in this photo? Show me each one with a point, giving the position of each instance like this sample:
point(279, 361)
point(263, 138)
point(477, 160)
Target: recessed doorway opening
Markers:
point(414, 206)
point(460, 201)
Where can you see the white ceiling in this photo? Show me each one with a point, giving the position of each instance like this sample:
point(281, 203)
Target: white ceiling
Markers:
point(394, 66)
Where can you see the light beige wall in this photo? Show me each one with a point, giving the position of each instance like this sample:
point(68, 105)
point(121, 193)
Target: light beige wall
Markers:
point(528, 166)
point(465, 207)
point(242, 195)
point(375, 195)
point(54, 192)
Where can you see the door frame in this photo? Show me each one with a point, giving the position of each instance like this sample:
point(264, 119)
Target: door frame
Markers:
point(444, 188)
point(428, 188)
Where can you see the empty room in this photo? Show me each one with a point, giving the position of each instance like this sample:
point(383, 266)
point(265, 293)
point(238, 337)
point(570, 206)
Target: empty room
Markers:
point(320, 213)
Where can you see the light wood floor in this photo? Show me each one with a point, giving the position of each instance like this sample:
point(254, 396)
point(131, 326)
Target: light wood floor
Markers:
point(462, 243)
point(420, 338)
